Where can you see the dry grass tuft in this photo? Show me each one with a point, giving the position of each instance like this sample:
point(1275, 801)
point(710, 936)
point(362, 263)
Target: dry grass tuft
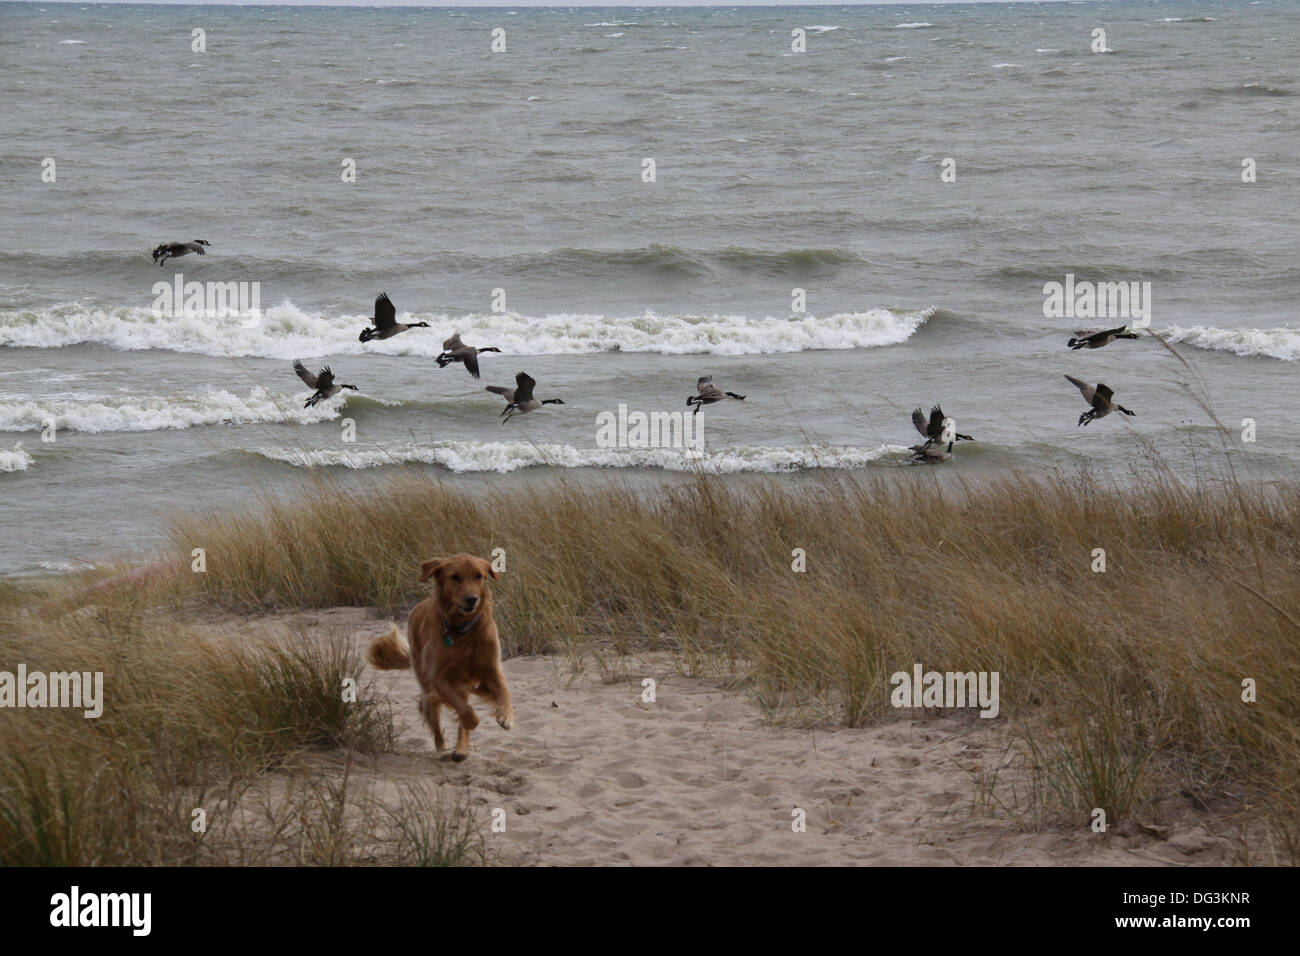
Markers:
point(188, 723)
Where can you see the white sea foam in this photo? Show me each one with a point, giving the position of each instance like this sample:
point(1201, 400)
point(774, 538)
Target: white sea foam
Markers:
point(23, 413)
point(1269, 343)
point(15, 459)
point(65, 566)
point(470, 456)
point(287, 332)
point(913, 26)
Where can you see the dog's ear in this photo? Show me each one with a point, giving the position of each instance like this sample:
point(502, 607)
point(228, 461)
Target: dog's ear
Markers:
point(431, 568)
point(486, 567)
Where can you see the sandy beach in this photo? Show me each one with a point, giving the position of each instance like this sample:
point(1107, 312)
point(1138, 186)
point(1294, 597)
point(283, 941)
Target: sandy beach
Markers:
point(592, 775)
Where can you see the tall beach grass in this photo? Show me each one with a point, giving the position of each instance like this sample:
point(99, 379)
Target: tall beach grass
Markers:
point(1124, 686)
point(1126, 683)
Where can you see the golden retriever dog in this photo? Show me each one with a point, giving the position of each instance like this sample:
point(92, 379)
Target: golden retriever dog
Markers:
point(454, 649)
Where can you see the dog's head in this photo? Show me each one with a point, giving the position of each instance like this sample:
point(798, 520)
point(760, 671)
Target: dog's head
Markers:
point(462, 582)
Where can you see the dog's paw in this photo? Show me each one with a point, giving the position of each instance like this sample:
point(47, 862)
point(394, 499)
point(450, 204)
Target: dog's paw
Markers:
point(458, 757)
point(506, 721)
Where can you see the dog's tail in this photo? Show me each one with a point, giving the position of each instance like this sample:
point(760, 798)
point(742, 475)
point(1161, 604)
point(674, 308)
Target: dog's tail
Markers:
point(390, 653)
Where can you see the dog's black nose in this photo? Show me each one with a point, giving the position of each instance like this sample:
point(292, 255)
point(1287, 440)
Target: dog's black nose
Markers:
point(470, 602)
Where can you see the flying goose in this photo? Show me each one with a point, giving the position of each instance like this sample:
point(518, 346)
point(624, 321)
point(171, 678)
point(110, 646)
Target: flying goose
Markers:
point(1100, 400)
point(454, 350)
point(1095, 340)
point(386, 324)
point(322, 381)
point(520, 398)
point(709, 393)
point(171, 250)
point(933, 430)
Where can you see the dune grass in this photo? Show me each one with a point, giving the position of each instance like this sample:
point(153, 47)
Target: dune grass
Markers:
point(1123, 687)
point(190, 722)
point(434, 829)
point(1125, 684)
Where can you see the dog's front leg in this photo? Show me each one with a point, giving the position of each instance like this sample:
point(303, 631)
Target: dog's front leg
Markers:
point(431, 711)
point(495, 689)
point(452, 697)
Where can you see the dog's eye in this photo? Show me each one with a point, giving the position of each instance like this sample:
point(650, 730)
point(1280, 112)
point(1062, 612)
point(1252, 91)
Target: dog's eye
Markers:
point(455, 577)
point(479, 578)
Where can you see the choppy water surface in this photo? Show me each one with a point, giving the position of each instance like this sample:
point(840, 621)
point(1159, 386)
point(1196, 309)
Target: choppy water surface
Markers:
point(522, 172)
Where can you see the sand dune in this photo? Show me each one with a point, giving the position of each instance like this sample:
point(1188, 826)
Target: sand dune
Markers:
point(591, 775)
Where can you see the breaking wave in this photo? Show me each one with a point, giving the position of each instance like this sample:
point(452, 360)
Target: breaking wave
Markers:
point(287, 332)
point(148, 413)
point(1269, 343)
point(469, 456)
point(15, 459)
